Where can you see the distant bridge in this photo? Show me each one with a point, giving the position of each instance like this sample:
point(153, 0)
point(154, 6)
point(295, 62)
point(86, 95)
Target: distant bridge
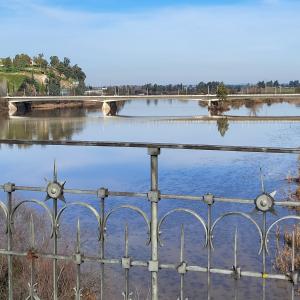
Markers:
point(48, 99)
point(19, 103)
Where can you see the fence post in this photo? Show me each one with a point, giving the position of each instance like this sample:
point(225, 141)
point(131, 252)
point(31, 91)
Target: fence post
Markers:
point(102, 195)
point(154, 197)
point(209, 200)
point(54, 264)
point(9, 188)
point(264, 253)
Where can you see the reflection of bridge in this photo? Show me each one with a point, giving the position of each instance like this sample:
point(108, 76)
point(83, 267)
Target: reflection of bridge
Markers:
point(188, 119)
point(212, 118)
point(15, 103)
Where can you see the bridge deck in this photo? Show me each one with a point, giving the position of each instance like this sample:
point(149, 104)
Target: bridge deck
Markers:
point(48, 99)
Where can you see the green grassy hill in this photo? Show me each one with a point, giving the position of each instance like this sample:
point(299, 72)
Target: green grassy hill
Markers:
point(36, 76)
point(14, 81)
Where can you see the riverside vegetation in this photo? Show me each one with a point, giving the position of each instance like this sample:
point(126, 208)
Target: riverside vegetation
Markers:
point(43, 267)
point(283, 258)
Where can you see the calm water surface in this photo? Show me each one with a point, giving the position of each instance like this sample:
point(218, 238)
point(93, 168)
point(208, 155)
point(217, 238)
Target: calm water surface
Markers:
point(181, 172)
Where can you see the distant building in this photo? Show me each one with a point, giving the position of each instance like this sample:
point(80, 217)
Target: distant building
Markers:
point(65, 92)
point(96, 91)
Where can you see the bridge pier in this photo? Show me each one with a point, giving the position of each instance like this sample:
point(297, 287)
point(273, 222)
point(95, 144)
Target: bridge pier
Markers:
point(12, 108)
point(109, 109)
point(21, 108)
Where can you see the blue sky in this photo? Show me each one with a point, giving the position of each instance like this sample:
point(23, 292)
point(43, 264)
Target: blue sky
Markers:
point(131, 5)
point(169, 41)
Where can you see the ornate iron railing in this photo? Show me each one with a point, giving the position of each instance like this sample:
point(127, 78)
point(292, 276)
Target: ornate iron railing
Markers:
point(55, 190)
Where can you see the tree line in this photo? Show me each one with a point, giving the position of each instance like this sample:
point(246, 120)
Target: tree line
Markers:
point(210, 87)
point(291, 84)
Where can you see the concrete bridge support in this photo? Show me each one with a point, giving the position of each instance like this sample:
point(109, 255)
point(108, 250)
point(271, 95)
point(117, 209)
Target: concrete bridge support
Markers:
point(109, 109)
point(14, 108)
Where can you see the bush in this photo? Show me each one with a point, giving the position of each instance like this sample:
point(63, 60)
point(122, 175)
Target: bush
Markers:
point(43, 267)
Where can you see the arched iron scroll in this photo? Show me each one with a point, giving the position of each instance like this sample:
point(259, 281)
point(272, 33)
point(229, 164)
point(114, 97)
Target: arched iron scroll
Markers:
point(276, 222)
point(39, 203)
point(187, 211)
point(241, 214)
point(82, 204)
point(133, 208)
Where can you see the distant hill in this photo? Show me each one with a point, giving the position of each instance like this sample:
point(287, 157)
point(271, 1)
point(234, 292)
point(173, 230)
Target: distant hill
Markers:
point(27, 75)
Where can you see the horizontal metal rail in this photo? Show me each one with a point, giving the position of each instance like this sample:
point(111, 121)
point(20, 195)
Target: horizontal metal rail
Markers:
point(199, 198)
point(152, 145)
point(140, 263)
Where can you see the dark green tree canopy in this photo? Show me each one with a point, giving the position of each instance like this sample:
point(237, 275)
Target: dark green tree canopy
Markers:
point(222, 92)
point(22, 61)
point(40, 61)
point(54, 61)
point(7, 62)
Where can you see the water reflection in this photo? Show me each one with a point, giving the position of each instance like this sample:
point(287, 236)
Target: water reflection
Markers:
point(191, 172)
point(62, 125)
point(223, 126)
point(169, 117)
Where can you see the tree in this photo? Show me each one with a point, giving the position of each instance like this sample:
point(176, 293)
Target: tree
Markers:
point(77, 73)
point(54, 61)
point(270, 83)
point(7, 62)
point(22, 61)
point(53, 85)
point(261, 84)
point(223, 126)
point(222, 92)
point(202, 87)
point(66, 62)
point(294, 83)
point(60, 68)
point(40, 61)
point(80, 89)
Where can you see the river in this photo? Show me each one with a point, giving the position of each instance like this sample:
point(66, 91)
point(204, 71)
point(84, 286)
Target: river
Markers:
point(180, 172)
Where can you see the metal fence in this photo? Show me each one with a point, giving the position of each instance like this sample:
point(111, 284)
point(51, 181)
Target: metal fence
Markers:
point(55, 191)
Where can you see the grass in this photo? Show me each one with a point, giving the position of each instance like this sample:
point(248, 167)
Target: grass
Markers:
point(283, 259)
point(14, 80)
point(43, 267)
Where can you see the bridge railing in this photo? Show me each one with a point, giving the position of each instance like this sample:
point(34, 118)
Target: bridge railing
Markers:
point(55, 191)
